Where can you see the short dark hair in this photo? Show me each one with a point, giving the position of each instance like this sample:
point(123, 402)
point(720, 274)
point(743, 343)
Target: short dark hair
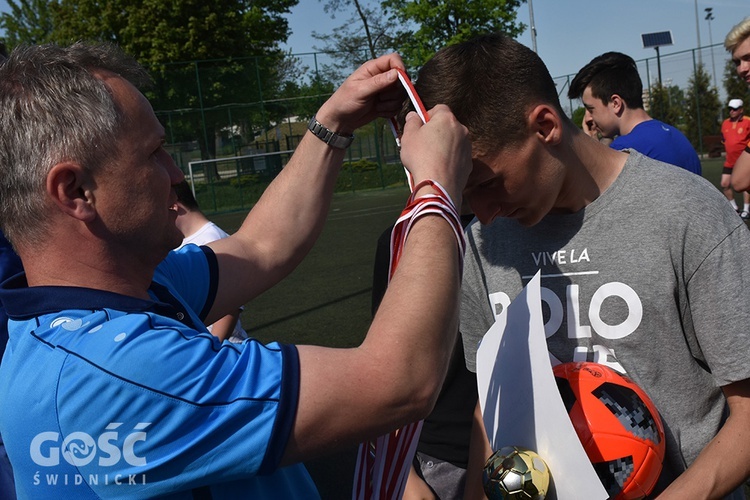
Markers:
point(608, 74)
point(185, 195)
point(490, 83)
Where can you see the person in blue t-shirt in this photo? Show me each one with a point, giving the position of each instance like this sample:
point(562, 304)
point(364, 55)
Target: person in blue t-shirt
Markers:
point(10, 265)
point(117, 387)
point(612, 94)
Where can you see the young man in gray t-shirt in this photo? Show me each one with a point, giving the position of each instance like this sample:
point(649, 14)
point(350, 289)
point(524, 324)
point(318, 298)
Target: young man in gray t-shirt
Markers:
point(640, 260)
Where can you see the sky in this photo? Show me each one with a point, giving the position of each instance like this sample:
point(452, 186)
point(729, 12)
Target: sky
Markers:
point(572, 32)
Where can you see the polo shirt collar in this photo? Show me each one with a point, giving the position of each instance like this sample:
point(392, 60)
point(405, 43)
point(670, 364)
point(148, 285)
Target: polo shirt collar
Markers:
point(23, 302)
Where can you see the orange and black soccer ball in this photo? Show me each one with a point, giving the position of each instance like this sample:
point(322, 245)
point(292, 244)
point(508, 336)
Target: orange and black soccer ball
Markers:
point(618, 425)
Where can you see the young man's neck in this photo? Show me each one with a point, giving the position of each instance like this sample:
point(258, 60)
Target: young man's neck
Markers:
point(592, 168)
point(631, 118)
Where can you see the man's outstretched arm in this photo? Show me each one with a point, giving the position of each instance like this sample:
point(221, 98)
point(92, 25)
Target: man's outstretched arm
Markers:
point(351, 395)
point(287, 220)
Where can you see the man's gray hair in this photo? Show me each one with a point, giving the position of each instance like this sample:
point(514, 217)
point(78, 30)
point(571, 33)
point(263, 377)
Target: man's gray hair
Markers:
point(737, 35)
point(53, 108)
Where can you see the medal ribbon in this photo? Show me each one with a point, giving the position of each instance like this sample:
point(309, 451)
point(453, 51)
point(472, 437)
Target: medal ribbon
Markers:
point(420, 109)
point(383, 464)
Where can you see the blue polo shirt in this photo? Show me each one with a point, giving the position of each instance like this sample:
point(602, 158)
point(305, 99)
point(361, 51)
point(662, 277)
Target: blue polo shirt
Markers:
point(10, 264)
point(114, 396)
point(661, 142)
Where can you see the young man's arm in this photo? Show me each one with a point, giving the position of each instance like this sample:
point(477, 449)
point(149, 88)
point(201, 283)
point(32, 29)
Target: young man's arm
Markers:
point(741, 172)
point(479, 452)
point(724, 464)
point(224, 327)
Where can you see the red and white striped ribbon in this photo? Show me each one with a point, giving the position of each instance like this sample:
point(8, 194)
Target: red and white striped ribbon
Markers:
point(419, 108)
point(383, 464)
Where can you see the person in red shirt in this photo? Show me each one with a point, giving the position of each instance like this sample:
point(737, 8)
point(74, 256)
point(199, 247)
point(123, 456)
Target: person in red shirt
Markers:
point(735, 135)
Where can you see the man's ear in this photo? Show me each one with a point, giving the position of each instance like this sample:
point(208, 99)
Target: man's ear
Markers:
point(546, 124)
point(181, 210)
point(69, 188)
point(618, 105)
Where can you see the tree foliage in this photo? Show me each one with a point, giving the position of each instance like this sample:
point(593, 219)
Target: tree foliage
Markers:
point(368, 29)
point(232, 49)
point(158, 31)
point(29, 21)
point(578, 115)
point(366, 34)
point(160, 34)
point(304, 98)
point(415, 29)
point(702, 108)
point(735, 86)
point(428, 25)
point(666, 103)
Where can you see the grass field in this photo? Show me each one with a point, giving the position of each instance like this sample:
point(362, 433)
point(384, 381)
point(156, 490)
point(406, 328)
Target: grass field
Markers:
point(326, 300)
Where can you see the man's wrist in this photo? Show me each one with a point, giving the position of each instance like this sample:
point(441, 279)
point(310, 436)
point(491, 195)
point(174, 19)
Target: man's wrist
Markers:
point(333, 139)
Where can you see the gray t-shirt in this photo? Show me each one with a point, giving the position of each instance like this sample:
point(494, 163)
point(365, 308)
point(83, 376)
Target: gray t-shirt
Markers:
point(651, 278)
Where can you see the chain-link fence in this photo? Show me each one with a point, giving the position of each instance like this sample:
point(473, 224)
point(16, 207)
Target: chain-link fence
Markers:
point(239, 115)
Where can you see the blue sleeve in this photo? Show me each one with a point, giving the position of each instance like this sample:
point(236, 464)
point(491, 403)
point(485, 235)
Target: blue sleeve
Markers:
point(10, 265)
point(193, 273)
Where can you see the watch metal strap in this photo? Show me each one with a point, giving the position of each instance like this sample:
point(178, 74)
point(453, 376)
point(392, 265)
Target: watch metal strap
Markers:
point(329, 136)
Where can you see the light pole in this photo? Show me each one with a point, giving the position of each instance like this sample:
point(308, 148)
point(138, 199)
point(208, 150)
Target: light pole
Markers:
point(533, 26)
point(698, 31)
point(709, 18)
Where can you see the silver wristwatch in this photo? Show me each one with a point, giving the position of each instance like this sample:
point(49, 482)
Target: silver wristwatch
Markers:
point(329, 136)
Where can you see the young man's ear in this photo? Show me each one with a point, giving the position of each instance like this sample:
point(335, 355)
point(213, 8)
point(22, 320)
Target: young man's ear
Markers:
point(68, 185)
point(617, 103)
point(546, 124)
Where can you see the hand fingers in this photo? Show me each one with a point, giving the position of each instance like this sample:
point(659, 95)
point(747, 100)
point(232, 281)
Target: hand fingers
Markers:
point(378, 76)
point(412, 123)
point(377, 85)
point(382, 64)
point(370, 91)
point(439, 149)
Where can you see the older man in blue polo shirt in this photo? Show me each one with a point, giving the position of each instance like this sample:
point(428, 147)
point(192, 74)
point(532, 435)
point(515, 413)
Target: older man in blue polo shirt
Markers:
point(117, 388)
